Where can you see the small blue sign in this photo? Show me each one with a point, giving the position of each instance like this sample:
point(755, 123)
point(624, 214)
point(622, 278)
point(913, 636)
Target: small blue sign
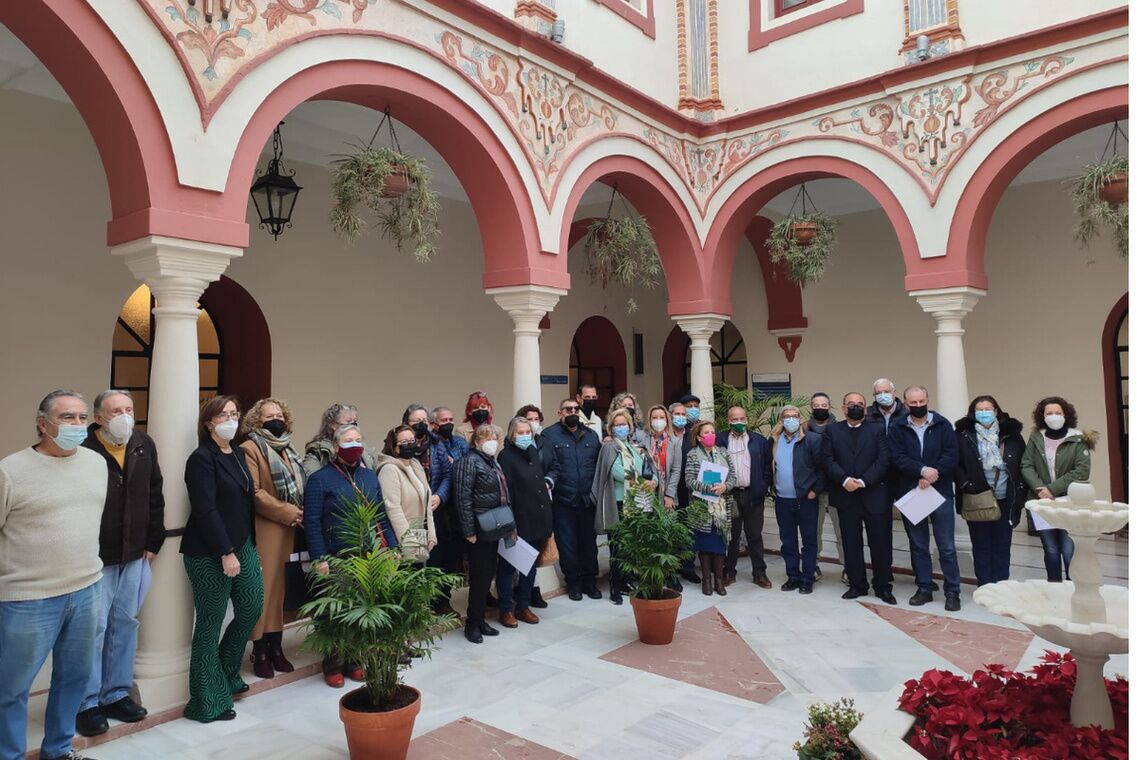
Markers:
point(555, 379)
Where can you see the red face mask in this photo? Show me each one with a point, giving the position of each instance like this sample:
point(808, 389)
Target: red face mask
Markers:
point(709, 440)
point(350, 453)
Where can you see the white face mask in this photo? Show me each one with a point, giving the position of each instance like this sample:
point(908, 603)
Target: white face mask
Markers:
point(118, 430)
point(1055, 421)
point(489, 447)
point(535, 428)
point(226, 430)
point(659, 424)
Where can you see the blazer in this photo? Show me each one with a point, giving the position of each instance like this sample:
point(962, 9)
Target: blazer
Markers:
point(939, 450)
point(859, 453)
point(807, 461)
point(133, 512)
point(221, 502)
point(760, 456)
point(602, 489)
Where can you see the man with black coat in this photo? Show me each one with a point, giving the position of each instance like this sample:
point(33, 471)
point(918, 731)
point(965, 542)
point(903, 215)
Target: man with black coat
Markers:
point(130, 534)
point(924, 453)
point(856, 458)
point(751, 456)
point(821, 417)
point(534, 416)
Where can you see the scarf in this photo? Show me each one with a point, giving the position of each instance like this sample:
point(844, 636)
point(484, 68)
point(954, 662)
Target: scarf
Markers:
point(718, 510)
point(284, 465)
point(628, 464)
point(988, 449)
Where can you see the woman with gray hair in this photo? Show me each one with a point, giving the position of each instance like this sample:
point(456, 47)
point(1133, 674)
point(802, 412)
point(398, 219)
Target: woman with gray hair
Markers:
point(628, 402)
point(321, 449)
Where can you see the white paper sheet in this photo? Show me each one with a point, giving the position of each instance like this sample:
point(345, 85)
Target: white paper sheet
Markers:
point(1039, 522)
point(144, 583)
point(918, 503)
point(711, 473)
point(522, 555)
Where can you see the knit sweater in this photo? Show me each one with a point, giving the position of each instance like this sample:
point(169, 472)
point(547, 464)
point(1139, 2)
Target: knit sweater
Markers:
point(50, 509)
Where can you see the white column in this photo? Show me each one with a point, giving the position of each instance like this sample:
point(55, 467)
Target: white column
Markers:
point(700, 328)
point(949, 306)
point(527, 305)
point(177, 273)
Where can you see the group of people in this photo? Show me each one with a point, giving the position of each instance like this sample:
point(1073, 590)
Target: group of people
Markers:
point(82, 517)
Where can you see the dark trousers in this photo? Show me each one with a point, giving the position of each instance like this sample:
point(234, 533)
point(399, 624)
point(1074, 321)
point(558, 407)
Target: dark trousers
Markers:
point(853, 518)
point(991, 543)
point(797, 520)
point(447, 553)
point(750, 521)
point(512, 597)
point(482, 560)
point(577, 546)
point(941, 522)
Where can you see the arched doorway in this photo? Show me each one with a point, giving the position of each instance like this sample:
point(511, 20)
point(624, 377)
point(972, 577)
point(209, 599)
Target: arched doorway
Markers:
point(597, 357)
point(729, 361)
point(1114, 344)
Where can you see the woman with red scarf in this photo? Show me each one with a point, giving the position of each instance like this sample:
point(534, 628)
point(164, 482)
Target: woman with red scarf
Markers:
point(478, 412)
point(665, 455)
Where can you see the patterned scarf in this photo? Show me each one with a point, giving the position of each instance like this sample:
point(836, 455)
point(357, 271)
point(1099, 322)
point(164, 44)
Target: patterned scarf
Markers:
point(988, 449)
point(284, 465)
point(719, 509)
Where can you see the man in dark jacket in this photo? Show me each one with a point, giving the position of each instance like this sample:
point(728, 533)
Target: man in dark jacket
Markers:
point(821, 417)
point(886, 410)
point(856, 458)
point(796, 463)
point(924, 453)
point(130, 535)
point(435, 457)
point(576, 449)
point(534, 416)
point(751, 457)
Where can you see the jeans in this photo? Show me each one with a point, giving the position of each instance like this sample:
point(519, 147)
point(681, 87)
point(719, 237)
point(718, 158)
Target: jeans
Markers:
point(991, 541)
point(577, 546)
point(63, 626)
point(116, 635)
point(750, 521)
point(1058, 546)
point(798, 516)
point(919, 535)
point(511, 597)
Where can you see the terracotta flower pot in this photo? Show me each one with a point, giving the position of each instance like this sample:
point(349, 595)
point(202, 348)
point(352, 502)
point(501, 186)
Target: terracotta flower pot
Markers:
point(1115, 189)
point(802, 232)
point(656, 618)
point(396, 184)
point(378, 735)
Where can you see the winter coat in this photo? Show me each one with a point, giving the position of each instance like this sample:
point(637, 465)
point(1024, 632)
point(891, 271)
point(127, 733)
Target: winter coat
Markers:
point(441, 467)
point(971, 475)
point(602, 489)
point(697, 454)
point(939, 450)
point(318, 454)
point(807, 461)
point(576, 454)
point(874, 415)
point(816, 427)
point(530, 499)
point(133, 512)
point(406, 504)
point(1073, 463)
point(326, 492)
point(477, 489)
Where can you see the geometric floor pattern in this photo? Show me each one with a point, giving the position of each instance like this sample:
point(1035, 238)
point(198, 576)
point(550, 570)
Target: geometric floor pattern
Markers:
point(466, 738)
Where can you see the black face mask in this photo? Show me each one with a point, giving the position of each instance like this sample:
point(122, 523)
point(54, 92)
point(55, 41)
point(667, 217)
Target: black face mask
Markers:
point(820, 415)
point(855, 413)
point(570, 421)
point(918, 412)
point(409, 450)
point(446, 429)
point(480, 416)
point(420, 429)
point(588, 407)
point(275, 428)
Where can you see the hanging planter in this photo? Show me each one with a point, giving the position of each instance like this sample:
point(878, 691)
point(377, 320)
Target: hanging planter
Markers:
point(622, 250)
point(804, 240)
point(1100, 197)
point(394, 187)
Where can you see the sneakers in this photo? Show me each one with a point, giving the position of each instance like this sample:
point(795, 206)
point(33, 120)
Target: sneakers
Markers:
point(921, 597)
point(72, 755)
point(91, 722)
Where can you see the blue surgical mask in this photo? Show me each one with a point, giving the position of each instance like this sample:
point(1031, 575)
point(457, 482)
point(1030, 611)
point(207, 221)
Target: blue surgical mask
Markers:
point(985, 417)
point(693, 413)
point(884, 399)
point(524, 442)
point(680, 420)
point(621, 432)
point(791, 425)
point(70, 436)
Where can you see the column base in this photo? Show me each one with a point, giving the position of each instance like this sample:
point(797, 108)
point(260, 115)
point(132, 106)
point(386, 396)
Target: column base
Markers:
point(167, 684)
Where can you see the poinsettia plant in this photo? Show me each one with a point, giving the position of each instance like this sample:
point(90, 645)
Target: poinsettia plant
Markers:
point(998, 713)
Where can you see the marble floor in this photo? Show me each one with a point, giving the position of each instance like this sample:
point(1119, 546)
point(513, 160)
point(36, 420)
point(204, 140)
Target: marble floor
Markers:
point(735, 684)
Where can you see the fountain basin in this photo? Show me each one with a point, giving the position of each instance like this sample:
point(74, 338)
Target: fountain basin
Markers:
point(1045, 609)
point(1089, 519)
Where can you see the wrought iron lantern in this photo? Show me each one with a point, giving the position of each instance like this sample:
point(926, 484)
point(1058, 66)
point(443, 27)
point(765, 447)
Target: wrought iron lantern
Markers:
point(275, 192)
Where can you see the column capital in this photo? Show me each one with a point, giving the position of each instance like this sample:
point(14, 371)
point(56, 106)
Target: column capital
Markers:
point(160, 260)
point(526, 304)
point(700, 327)
point(955, 302)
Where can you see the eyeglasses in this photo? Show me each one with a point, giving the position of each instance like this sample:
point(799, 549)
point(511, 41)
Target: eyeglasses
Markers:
point(227, 416)
point(571, 408)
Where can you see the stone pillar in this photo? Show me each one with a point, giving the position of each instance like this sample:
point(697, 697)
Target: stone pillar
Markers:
point(527, 305)
point(177, 273)
point(949, 306)
point(700, 328)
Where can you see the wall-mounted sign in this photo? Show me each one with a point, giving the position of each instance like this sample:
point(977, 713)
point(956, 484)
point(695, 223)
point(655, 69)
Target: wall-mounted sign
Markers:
point(771, 384)
point(555, 379)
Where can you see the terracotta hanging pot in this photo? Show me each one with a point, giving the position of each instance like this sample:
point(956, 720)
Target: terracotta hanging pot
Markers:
point(396, 184)
point(1115, 189)
point(802, 232)
point(656, 618)
point(379, 735)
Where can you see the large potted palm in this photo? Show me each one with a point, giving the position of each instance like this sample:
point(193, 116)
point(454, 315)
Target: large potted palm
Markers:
point(374, 608)
point(652, 541)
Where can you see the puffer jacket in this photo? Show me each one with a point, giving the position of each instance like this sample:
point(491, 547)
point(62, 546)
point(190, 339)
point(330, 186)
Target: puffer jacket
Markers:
point(1073, 463)
point(971, 477)
point(478, 488)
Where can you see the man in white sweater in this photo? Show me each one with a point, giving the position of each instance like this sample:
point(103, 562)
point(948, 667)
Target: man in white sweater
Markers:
point(51, 503)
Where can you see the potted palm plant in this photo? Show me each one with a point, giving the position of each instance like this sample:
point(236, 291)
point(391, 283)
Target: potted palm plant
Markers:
point(763, 412)
point(622, 250)
point(653, 541)
point(374, 608)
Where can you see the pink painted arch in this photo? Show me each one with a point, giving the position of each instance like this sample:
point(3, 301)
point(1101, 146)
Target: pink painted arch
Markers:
point(732, 221)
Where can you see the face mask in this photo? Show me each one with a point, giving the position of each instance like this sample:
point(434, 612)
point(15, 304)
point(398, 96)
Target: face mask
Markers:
point(226, 430)
point(524, 442)
point(738, 427)
point(1052, 421)
point(536, 427)
point(884, 399)
point(489, 447)
point(570, 421)
point(480, 416)
point(408, 450)
point(588, 407)
point(820, 415)
point(708, 440)
point(70, 436)
point(693, 413)
point(350, 453)
point(791, 425)
point(275, 428)
point(918, 412)
point(445, 429)
point(679, 421)
point(985, 417)
point(621, 432)
point(658, 425)
point(119, 429)
point(855, 413)
point(420, 429)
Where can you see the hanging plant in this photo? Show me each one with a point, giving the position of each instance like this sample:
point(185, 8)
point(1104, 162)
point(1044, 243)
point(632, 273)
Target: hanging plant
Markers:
point(1096, 216)
point(622, 250)
point(396, 188)
point(803, 240)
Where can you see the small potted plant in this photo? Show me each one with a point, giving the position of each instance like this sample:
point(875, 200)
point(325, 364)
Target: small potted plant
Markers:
point(804, 241)
point(1100, 200)
point(654, 541)
point(395, 188)
point(828, 732)
point(374, 608)
point(622, 250)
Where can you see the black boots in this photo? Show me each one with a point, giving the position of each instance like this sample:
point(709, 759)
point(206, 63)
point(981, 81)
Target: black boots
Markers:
point(718, 574)
point(706, 573)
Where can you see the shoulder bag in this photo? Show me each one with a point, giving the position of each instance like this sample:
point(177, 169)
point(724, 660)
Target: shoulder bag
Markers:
point(980, 507)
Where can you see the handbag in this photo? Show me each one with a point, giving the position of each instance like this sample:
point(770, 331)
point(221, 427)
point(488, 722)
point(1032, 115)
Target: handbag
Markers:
point(496, 523)
point(414, 545)
point(980, 507)
point(549, 554)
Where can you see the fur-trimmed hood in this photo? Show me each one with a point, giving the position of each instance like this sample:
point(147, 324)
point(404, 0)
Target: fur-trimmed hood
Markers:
point(1007, 427)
